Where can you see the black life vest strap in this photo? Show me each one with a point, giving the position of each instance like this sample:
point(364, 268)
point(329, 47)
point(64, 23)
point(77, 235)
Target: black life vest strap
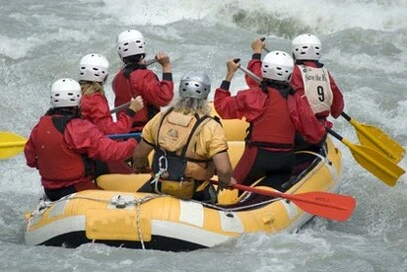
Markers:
point(174, 154)
point(196, 125)
point(269, 145)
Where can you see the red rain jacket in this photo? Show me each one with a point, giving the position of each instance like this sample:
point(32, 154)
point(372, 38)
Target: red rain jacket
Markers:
point(251, 104)
point(145, 83)
point(95, 108)
point(57, 156)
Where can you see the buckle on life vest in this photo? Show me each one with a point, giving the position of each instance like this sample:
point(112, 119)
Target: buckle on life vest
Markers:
point(183, 189)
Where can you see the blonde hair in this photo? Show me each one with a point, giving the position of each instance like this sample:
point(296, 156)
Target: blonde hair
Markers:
point(91, 87)
point(192, 105)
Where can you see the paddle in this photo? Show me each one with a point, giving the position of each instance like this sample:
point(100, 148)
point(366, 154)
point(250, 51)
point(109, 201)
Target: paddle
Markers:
point(377, 164)
point(124, 135)
point(126, 105)
point(373, 137)
point(328, 205)
point(376, 139)
point(11, 144)
point(120, 108)
point(250, 73)
point(152, 61)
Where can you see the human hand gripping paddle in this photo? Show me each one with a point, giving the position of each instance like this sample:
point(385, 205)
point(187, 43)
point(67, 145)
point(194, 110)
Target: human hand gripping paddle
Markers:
point(324, 204)
point(373, 137)
point(374, 162)
point(11, 144)
point(126, 105)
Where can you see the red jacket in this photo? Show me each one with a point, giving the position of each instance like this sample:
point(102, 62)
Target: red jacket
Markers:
point(57, 156)
point(95, 108)
point(297, 83)
point(273, 129)
point(268, 114)
point(284, 118)
point(254, 66)
point(145, 83)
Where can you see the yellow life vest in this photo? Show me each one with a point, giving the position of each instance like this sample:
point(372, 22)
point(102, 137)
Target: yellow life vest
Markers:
point(175, 157)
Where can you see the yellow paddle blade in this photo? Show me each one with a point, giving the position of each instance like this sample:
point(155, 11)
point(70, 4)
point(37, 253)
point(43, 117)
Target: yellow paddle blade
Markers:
point(377, 164)
point(376, 139)
point(11, 144)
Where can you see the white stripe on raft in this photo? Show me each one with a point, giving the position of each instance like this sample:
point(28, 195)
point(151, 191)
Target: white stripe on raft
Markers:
point(51, 230)
point(191, 213)
point(179, 231)
point(291, 208)
point(187, 233)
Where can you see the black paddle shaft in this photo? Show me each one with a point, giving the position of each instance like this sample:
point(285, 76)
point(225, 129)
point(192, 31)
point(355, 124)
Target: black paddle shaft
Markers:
point(347, 117)
point(336, 135)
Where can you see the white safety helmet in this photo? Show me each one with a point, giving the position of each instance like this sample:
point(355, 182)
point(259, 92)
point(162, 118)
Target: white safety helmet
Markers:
point(306, 47)
point(195, 85)
point(65, 92)
point(277, 65)
point(130, 42)
point(93, 67)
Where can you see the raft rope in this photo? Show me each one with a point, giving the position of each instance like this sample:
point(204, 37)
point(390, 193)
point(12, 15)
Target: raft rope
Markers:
point(122, 203)
point(138, 204)
point(323, 158)
point(325, 162)
point(44, 204)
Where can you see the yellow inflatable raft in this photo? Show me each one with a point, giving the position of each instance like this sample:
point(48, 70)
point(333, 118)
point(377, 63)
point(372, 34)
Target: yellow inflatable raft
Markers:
point(119, 216)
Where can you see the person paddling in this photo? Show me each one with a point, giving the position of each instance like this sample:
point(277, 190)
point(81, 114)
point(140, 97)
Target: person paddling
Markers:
point(70, 152)
point(135, 79)
point(310, 78)
point(274, 114)
point(93, 72)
